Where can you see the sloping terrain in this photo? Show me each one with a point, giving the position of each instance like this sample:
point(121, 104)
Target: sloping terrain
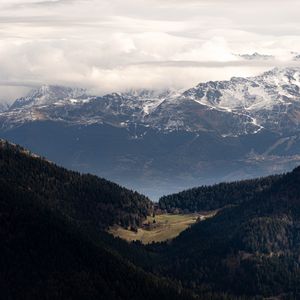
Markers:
point(46, 250)
point(85, 199)
point(252, 247)
point(54, 247)
point(217, 196)
point(43, 256)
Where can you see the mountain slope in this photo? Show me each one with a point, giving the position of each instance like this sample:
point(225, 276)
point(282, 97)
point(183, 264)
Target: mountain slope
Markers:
point(56, 249)
point(86, 199)
point(45, 252)
point(249, 248)
point(44, 257)
point(217, 196)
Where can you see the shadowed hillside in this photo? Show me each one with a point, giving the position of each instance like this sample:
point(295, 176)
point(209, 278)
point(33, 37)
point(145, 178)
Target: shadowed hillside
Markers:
point(252, 247)
point(44, 253)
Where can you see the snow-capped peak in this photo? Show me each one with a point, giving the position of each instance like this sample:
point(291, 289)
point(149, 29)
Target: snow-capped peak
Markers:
point(255, 56)
point(48, 94)
point(263, 91)
point(281, 76)
point(3, 106)
point(147, 94)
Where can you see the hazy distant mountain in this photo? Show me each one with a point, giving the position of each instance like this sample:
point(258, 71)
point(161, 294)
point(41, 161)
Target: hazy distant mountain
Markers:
point(47, 95)
point(256, 56)
point(297, 57)
point(3, 106)
point(164, 141)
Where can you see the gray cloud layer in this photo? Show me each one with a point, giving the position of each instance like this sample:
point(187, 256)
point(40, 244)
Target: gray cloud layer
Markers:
point(119, 44)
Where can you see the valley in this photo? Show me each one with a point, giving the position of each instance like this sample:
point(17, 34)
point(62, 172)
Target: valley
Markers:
point(242, 244)
point(149, 150)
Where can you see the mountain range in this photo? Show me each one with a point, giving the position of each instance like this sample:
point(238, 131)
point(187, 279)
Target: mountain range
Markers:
point(164, 141)
point(256, 56)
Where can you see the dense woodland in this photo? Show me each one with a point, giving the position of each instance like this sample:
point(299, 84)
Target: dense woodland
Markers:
point(216, 196)
point(251, 247)
point(45, 254)
point(54, 244)
point(86, 199)
point(45, 257)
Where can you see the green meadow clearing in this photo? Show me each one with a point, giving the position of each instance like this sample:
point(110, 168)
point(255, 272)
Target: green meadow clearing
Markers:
point(166, 227)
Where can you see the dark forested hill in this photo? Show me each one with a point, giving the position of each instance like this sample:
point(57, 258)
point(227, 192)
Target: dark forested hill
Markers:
point(53, 244)
point(44, 254)
point(250, 248)
point(86, 199)
point(216, 196)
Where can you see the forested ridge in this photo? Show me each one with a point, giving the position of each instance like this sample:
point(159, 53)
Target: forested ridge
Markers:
point(216, 196)
point(250, 248)
point(43, 256)
point(47, 252)
point(86, 199)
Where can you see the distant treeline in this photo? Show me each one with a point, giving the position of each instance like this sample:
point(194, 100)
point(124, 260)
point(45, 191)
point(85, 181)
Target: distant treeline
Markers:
point(217, 196)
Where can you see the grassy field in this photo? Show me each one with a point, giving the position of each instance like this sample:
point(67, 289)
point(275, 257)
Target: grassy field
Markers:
point(166, 227)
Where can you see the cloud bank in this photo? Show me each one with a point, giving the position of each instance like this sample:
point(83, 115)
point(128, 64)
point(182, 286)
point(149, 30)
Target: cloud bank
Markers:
point(121, 44)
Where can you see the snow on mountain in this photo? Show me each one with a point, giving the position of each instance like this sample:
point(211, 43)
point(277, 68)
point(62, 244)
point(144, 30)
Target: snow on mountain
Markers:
point(235, 107)
point(253, 93)
point(255, 56)
point(148, 100)
point(3, 107)
point(297, 57)
point(48, 94)
point(270, 99)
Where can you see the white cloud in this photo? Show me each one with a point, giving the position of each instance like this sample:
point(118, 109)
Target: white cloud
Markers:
point(110, 45)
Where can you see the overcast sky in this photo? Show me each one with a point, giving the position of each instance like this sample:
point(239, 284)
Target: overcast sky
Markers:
point(113, 45)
